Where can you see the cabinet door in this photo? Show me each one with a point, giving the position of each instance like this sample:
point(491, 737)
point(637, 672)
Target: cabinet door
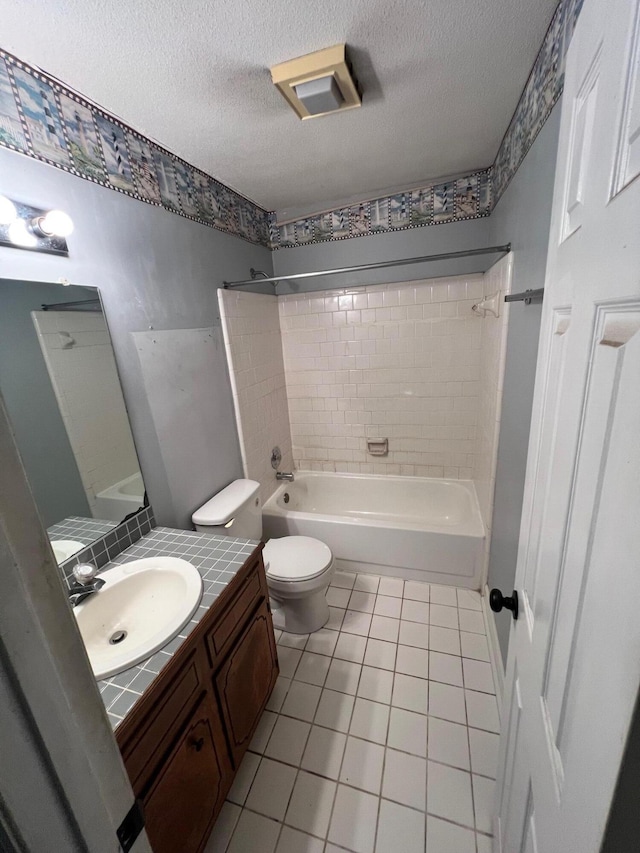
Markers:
point(245, 680)
point(189, 791)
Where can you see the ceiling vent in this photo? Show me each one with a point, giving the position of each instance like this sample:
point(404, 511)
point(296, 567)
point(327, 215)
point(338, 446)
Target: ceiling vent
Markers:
point(319, 83)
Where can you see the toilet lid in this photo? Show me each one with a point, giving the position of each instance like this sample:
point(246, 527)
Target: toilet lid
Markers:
point(296, 558)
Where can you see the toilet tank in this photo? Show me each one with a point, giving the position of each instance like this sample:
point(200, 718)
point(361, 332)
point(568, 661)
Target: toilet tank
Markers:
point(235, 511)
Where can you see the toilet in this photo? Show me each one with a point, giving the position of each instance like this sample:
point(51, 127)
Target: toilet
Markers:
point(298, 568)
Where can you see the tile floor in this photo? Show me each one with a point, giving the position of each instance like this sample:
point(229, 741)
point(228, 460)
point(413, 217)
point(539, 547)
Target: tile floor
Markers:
point(381, 734)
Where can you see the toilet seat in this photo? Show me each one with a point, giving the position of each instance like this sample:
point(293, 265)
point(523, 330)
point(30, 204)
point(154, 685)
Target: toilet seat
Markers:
point(296, 558)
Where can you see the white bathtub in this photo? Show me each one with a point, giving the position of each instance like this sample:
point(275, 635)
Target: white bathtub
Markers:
point(120, 499)
point(417, 528)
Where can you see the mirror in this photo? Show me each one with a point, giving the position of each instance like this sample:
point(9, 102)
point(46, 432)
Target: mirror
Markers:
point(60, 386)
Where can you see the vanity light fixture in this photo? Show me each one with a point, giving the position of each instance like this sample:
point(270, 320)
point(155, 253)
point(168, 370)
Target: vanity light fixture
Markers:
point(25, 227)
point(319, 83)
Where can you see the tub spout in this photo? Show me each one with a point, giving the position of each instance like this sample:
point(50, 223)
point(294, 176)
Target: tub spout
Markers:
point(282, 475)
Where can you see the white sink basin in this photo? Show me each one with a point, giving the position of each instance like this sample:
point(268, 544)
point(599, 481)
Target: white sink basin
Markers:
point(65, 548)
point(148, 601)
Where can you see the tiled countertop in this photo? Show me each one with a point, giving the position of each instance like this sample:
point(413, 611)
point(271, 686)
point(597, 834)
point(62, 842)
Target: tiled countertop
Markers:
point(85, 530)
point(217, 558)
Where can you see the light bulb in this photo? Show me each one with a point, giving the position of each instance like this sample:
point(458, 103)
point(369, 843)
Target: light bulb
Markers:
point(20, 235)
point(8, 211)
point(56, 223)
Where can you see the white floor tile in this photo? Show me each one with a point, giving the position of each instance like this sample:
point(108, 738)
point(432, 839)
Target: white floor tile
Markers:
point(288, 740)
point(337, 597)
point(404, 779)
point(355, 622)
point(415, 611)
point(367, 583)
point(447, 702)
point(263, 732)
point(334, 710)
point(469, 599)
point(387, 605)
point(443, 616)
point(412, 661)
point(408, 732)
point(482, 711)
point(483, 794)
point(391, 586)
point(254, 832)
point(362, 601)
point(302, 701)
point(445, 668)
point(244, 778)
point(416, 591)
point(294, 841)
point(271, 789)
point(484, 752)
point(343, 676)
point(399, 829)
point(471, 620)
point(414, 634)
point(444, 595)
point(313, 668)
point(370, 721)
point(478, 676)
point(353, 824)
point(376, 684)
point(449, 794)
point(443, 837)
point(351, 647)
point(324, 751)
point(448, 743)
point(474, 646)
point(410, 693)
point(342, 579)
point(381, 654)
point(310, 806)
point(277, 634)
point(223, 828)
point(384, 628)
point(336, 616)
point(322, 642)
point(444, 640)
point(293, 641)
point(362, 765)
point(278, 694)
point(288, 660)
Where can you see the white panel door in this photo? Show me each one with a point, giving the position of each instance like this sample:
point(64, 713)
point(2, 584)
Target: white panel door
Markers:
point(573, 671)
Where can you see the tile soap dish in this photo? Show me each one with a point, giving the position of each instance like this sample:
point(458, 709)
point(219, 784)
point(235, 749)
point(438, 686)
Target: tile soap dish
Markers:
point(378, 446)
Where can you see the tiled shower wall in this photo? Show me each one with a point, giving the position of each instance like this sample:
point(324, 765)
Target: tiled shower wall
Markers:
point(251, 329)
point(398, 361)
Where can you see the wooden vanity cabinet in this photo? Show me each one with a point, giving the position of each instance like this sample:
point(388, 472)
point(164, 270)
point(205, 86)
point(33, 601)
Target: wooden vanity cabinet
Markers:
point(183, 741)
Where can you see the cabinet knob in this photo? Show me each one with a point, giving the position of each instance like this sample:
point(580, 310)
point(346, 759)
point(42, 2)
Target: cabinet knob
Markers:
point(198, 744)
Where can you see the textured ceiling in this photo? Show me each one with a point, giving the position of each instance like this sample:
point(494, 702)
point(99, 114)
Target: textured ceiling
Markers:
point(440, 80)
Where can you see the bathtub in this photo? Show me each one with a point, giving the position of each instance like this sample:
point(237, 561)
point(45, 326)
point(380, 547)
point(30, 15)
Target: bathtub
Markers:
point(120, 499)
point(417, 528)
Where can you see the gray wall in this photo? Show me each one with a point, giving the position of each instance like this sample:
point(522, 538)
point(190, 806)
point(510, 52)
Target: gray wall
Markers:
point(31, 402)
point(522, 216)
point(155, 270)
point(415, 242)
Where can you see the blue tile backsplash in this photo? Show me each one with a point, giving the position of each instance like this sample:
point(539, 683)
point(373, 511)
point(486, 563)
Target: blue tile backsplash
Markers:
point(42, 119)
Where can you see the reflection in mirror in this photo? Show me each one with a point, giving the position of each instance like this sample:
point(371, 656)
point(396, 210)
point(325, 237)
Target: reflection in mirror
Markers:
point(60, 385)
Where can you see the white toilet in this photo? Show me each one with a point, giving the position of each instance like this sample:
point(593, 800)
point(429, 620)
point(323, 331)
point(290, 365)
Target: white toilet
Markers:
point(299, 569)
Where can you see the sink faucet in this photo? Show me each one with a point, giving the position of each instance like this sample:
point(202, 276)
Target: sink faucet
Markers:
point(281, 475)
point(86, 583)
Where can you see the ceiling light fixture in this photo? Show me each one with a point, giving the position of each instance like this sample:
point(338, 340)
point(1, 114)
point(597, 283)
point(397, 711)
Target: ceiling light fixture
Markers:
point(319, 83)
point(25, 227)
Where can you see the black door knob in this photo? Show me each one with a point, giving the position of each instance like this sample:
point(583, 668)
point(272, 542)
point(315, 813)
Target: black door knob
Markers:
point(497, 601)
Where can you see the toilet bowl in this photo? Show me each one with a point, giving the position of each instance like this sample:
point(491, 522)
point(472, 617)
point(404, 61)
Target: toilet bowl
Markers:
point(298, 568)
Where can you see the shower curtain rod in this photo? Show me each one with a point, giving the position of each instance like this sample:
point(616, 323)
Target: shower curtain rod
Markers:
point(467, 253)
point(57, 306)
